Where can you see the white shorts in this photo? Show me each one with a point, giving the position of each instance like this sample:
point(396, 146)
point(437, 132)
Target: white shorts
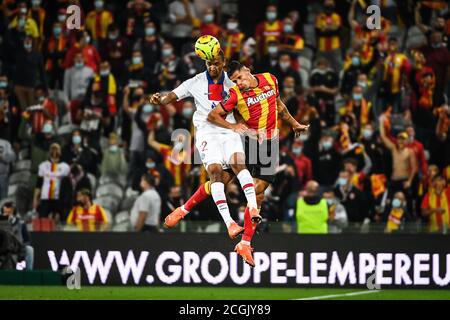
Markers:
point(217, 148)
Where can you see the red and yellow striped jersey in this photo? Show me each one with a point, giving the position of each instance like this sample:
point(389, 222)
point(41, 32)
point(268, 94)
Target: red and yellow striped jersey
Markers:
point(257, 106)
point(395, 65)
point(432, 200)
point(327, 29)
point(88, 219)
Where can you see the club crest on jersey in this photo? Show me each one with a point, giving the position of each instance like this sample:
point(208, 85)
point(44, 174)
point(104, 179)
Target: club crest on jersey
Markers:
point(265, 95)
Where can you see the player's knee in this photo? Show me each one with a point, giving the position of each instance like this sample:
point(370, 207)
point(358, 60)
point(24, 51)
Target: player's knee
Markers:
point(238, 167)
point(215, 172)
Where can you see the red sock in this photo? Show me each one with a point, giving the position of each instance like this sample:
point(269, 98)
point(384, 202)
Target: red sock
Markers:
point(249, 226)
point(199, 196)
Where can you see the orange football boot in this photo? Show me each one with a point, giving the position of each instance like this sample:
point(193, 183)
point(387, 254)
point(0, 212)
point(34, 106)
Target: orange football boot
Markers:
point(245, 251)
point(174, 217)
point(255, 216)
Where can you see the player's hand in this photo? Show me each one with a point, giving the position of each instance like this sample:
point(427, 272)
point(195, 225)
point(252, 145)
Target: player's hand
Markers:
point(240, 128)
point(155, 98)
point(300, 128)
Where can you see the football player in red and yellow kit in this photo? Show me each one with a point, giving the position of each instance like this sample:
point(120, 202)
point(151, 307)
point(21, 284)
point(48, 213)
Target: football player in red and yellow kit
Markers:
point(257, 100)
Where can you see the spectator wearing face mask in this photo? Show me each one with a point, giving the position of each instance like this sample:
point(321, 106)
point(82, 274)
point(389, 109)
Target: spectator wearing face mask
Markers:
point(326, 169)
point(98, 21)
point(86, 215)
point(269, 30)
point(232, 39)
point(113, 163)
point(76, 83)
point(151, 45)
point(352, 199)
point(54, 52)
point(290, 41)
point(183, 119)
point(47, 193)
point(374, 149)
point(116, 50)
point(324, 83)
point(352, 68)
point(44, 109)
point(397, 213)
point(23, 24)
point(328, 25)
point(312, 211)
point(169, 71)
point(94, 116)
point(139, 12)
point(163, 178)
point(209, 26)
point(337, 218)
point(302, 163)
point(269, 61)
point(104, 86)
point(285, 69)
point(78, 152)
point(83, 45)
point(10, 113)
point(138, 73)
point(28, 74)
point(357, 109)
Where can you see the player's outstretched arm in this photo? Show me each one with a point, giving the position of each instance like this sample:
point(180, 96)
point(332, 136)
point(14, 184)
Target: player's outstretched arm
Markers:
point(216, 115)
point(286, 116)
point(156, 98)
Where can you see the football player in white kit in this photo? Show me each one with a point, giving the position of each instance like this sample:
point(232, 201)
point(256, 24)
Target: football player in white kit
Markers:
point(219, 148)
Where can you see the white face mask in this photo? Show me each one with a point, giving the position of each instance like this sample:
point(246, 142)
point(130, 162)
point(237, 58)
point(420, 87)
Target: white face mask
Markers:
point(209, 18)
point(232, 26)
point(285, 65)
point(272, 49)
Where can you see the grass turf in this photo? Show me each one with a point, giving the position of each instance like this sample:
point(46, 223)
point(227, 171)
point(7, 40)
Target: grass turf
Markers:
point(208, 293)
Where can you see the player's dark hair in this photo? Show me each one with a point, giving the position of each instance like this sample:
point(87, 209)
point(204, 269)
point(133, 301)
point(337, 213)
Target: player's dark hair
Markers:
point(234, 66)
point(86, 192)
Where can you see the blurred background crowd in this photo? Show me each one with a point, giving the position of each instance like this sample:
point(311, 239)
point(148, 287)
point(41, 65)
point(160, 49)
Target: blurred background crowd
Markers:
point(80, 145)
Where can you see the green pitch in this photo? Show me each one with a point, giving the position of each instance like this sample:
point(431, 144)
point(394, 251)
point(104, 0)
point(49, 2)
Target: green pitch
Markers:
point(210, 293)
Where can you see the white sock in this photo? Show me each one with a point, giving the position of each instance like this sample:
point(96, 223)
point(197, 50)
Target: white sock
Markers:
point(184, 210)
point(246, 181)
point(218, 194)
point(245, 242)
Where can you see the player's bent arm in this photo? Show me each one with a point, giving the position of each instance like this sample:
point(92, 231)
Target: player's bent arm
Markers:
point(286, 116)
point(163, 100)
point(284, 113)
point(215, 116)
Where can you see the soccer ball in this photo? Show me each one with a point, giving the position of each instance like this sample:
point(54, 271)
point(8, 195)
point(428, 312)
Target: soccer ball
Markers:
point(207, 47)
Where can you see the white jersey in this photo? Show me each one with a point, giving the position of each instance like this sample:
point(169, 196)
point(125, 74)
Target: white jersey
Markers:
point(207, 95)
point(52, 175)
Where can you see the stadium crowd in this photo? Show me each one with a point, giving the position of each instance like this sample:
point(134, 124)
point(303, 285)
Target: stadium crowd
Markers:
point(79, 141)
